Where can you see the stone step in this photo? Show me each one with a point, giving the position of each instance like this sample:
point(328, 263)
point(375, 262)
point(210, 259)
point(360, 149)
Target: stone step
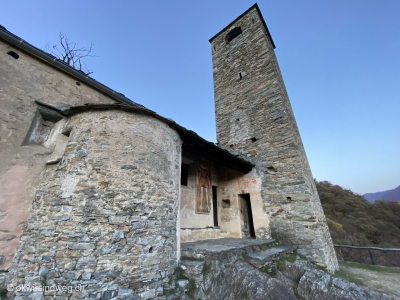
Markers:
point(197, 234)
point(262, 258)
point(225, 249)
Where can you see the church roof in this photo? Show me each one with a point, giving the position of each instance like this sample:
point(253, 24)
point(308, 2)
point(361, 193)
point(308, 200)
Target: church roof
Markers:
point(191, 141)
point(59, 64)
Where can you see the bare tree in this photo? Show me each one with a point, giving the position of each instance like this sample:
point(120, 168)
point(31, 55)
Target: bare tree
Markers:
point(69, 53)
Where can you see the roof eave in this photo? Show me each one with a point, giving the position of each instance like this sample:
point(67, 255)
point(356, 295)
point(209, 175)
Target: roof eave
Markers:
point(16, 41)
point(192, 142)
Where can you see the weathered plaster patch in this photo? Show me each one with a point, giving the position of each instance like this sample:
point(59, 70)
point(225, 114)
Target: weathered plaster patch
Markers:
point(69, 185)
point(14, 211)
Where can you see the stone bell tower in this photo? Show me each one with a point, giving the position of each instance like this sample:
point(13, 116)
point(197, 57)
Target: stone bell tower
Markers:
point(255, 121)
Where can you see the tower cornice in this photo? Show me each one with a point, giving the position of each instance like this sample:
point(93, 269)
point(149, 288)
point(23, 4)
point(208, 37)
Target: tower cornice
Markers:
point(261, 17)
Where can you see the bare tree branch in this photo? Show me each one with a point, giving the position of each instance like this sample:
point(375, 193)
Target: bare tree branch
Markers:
point(69, 53)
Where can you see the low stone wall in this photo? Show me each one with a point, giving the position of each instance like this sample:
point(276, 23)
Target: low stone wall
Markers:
point(369, 256)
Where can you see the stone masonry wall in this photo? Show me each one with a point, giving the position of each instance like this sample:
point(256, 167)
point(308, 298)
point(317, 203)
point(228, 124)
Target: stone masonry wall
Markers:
point(255, 121)
point(230, 184)
point(22, 81)
point(233, 183)
point(105, 216)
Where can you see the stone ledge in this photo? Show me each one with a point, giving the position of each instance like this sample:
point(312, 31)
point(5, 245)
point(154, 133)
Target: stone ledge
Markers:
point(223, 249)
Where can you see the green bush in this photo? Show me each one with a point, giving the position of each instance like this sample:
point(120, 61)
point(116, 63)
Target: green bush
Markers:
point(354, 221)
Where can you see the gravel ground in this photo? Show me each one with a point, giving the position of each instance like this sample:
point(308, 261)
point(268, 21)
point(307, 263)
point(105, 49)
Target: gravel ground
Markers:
point(376, 278)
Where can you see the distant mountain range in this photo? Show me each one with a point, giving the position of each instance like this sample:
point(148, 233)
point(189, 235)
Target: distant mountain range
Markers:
point(390, 195)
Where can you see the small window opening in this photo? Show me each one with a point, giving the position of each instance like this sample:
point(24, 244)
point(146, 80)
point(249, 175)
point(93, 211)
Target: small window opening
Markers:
point(240, 75)
point(237, 120)
point(253, 139)
point(67, 130)
point(13, 54)
point(289, 198)
point(184, 174)
point(78, 83)
point(231, 146)
point(150, 249)
point(41, 126)
point(226, 203)
point(233, 34)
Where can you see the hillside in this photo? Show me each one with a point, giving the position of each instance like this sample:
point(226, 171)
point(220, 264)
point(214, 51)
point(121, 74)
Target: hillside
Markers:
point(354, 221)
point(389, 195)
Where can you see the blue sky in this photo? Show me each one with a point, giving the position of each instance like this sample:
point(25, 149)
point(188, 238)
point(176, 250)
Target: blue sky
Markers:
point(340, 61)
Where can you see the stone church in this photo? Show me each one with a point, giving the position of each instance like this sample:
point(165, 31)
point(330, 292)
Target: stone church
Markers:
point(98, 190)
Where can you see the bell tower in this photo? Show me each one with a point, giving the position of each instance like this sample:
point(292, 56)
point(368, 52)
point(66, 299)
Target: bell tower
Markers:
point(255, 120)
